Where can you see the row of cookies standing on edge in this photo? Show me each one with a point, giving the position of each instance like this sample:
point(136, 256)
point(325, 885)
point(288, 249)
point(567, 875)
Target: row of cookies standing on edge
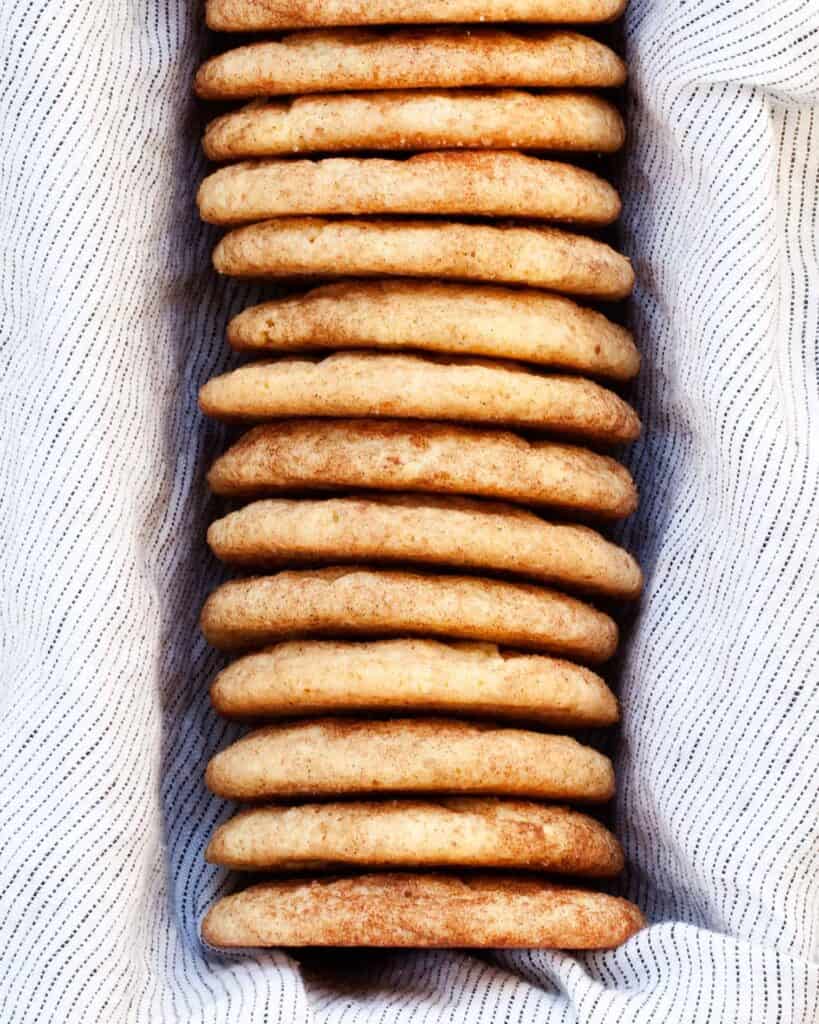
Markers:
point(410, 409)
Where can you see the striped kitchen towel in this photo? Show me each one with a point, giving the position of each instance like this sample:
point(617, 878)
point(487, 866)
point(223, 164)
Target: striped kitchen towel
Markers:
point(110, 318)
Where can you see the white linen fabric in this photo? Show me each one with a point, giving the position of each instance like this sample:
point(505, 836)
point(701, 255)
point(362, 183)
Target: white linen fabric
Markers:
point(111, 318)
